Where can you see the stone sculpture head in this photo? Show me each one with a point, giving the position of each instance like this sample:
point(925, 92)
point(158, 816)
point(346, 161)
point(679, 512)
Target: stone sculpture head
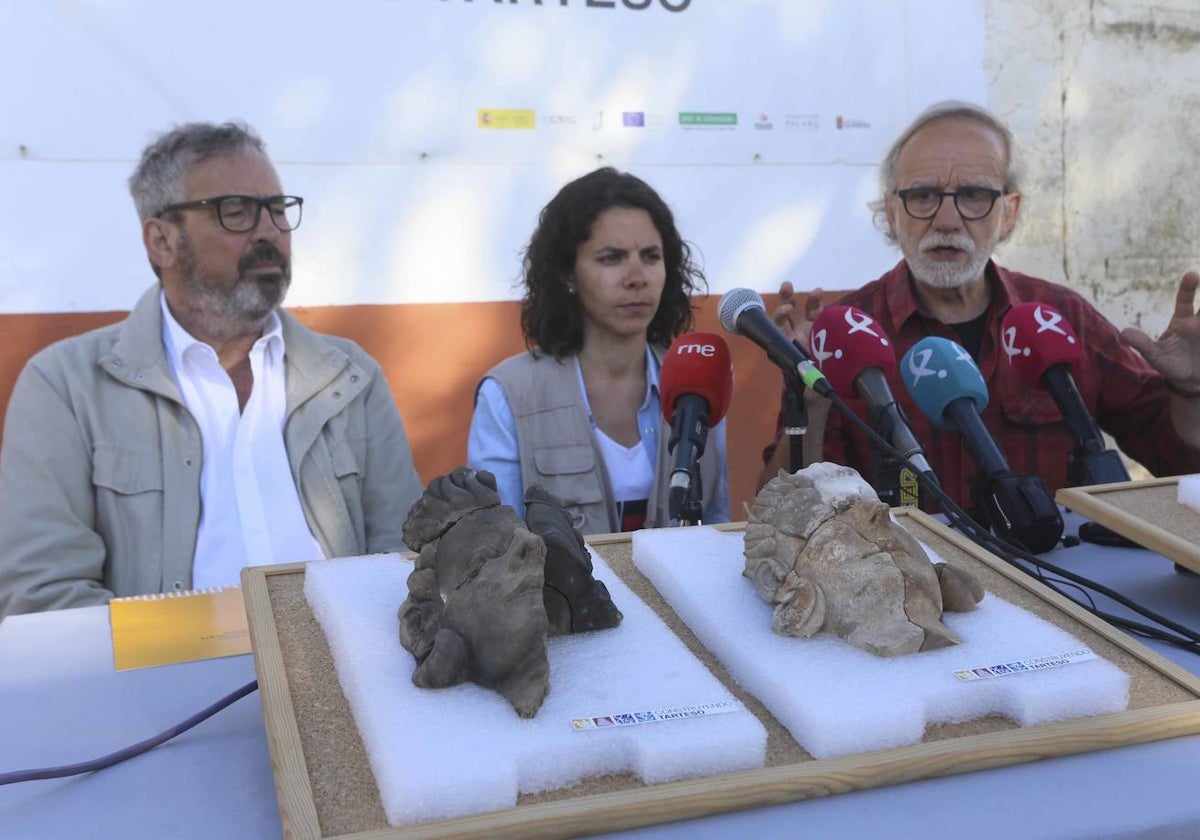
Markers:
point(474, 609)
point(824, 551)
point(488, 588)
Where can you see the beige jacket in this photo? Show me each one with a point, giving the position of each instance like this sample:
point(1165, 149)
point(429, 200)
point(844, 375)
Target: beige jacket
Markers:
point(558, 450)
point(100, 470)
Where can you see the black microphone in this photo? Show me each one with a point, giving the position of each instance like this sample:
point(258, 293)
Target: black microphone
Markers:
point(742, 312)
point(854, 352)
point(695, 386)
point(1042, 348)
point(949, 389)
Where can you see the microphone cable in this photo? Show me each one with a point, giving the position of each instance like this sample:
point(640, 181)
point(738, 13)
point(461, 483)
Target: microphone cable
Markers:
point(1015, 555)
point(130, 751)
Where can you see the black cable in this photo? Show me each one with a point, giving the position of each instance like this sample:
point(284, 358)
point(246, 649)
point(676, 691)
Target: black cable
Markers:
point(1010, 553)
point(131, 751)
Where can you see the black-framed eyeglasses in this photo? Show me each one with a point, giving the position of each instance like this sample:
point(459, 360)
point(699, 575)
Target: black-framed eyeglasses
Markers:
point(240, 213)
point(972, 203)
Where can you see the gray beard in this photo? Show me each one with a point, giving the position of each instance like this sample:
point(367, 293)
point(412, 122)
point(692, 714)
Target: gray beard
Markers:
point(941, 275)
point(221, 312)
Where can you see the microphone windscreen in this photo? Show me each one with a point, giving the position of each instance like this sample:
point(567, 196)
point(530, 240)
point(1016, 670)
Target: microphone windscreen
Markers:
point(937, 371)
point(734, 303)
point(697, 363)
point(1036, 337)
point(844, 342)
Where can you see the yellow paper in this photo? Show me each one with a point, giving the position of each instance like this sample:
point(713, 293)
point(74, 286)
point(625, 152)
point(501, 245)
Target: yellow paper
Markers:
point(171, 627)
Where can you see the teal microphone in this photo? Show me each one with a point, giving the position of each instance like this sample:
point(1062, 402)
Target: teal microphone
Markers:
point(946, 385)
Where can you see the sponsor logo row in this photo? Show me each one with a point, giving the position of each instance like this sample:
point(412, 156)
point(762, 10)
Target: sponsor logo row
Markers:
point(528, 118)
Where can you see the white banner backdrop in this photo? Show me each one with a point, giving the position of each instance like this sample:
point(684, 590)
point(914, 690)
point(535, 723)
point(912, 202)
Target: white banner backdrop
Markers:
point(425, 135)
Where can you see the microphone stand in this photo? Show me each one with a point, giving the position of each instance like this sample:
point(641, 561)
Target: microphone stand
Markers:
point(691, 512)
point(684, 504)
point(1086, 466)
point(794, 418)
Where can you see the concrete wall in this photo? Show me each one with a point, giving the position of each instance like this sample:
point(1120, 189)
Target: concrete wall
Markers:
point(1104, 98)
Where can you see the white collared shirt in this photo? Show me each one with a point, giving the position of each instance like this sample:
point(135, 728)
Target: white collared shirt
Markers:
point(250, 510)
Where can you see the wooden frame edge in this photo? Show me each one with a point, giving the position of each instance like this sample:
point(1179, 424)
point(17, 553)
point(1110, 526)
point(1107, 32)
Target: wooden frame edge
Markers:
point(297, 808)
point(1132, 646)
point(1089, 501)
point(650, 805)
point(624, 810)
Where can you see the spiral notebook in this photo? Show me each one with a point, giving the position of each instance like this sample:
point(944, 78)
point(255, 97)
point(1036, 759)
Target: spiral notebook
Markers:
point(172, 627)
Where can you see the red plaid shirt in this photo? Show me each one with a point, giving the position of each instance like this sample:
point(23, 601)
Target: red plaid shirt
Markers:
point(1122, 392)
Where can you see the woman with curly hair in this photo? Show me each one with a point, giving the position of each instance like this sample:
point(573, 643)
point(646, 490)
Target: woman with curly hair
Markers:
point(607, 279)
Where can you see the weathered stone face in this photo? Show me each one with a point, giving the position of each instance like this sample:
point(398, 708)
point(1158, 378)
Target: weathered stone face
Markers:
point(822, 549)
point(575, 601)
point(486, 592)
point(474, 609)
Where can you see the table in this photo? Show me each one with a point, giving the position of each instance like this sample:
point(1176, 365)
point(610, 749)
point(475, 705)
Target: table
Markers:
point(61, 702)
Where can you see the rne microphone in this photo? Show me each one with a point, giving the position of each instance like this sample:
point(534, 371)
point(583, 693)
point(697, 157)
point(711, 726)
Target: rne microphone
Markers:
point(695, 386)
point(854, 353)
point(742, 312)
point(1043, 349)
point(949, 389)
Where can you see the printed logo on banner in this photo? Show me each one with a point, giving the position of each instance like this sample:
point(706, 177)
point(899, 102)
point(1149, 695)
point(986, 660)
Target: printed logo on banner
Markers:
point(560, 119)
point(708, 119)
point(633, 119)
point(504, 118)
point(847, 122)
point(801, 122)
point(763, 123)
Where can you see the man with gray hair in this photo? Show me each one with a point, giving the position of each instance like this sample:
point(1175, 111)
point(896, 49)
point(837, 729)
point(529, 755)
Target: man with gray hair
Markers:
point(950, 196)
point(209, 430)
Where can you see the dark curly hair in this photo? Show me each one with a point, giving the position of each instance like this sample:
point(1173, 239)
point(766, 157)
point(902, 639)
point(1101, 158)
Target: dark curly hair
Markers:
point(550, 317)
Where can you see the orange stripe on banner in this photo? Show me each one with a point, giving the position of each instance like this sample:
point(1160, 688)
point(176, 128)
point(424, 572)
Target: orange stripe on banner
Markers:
point(434, 355)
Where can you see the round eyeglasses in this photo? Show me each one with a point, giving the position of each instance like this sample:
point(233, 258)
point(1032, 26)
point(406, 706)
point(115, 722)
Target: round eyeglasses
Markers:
point(240, 213)
point(972, 203)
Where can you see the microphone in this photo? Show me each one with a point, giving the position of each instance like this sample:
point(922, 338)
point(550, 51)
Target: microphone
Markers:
point(1043, 349)
point(695, 386)
point(854, 352)
point(950, 391)
point(742, 312)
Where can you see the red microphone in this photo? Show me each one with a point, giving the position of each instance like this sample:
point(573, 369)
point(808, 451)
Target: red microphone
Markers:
point(1044, 351)
point(1037, 337)
point(695, 387)
point(854, 353)
point(845, 341)
point(699, 364)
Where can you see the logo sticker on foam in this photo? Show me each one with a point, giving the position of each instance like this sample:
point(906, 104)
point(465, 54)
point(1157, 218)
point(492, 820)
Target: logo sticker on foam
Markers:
point(1040, 663)
point(584, 724)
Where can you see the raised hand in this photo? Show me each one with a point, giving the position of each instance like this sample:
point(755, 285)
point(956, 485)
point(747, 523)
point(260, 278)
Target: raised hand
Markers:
point(792, 322)
point(1176, 353)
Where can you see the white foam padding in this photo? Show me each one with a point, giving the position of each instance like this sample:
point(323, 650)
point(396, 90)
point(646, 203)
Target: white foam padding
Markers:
point(1189, 491)
point(463, 750)
point(836, 699)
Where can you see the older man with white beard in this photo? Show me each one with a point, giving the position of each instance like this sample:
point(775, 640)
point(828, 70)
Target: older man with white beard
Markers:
point(209, 430)
point(949, 197)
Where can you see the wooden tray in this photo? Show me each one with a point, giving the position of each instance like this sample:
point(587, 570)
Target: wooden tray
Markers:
point(1146, 512)
point(326, 789)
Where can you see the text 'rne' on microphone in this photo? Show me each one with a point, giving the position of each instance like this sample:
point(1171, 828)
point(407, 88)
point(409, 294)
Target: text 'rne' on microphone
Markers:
point(695, 388)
